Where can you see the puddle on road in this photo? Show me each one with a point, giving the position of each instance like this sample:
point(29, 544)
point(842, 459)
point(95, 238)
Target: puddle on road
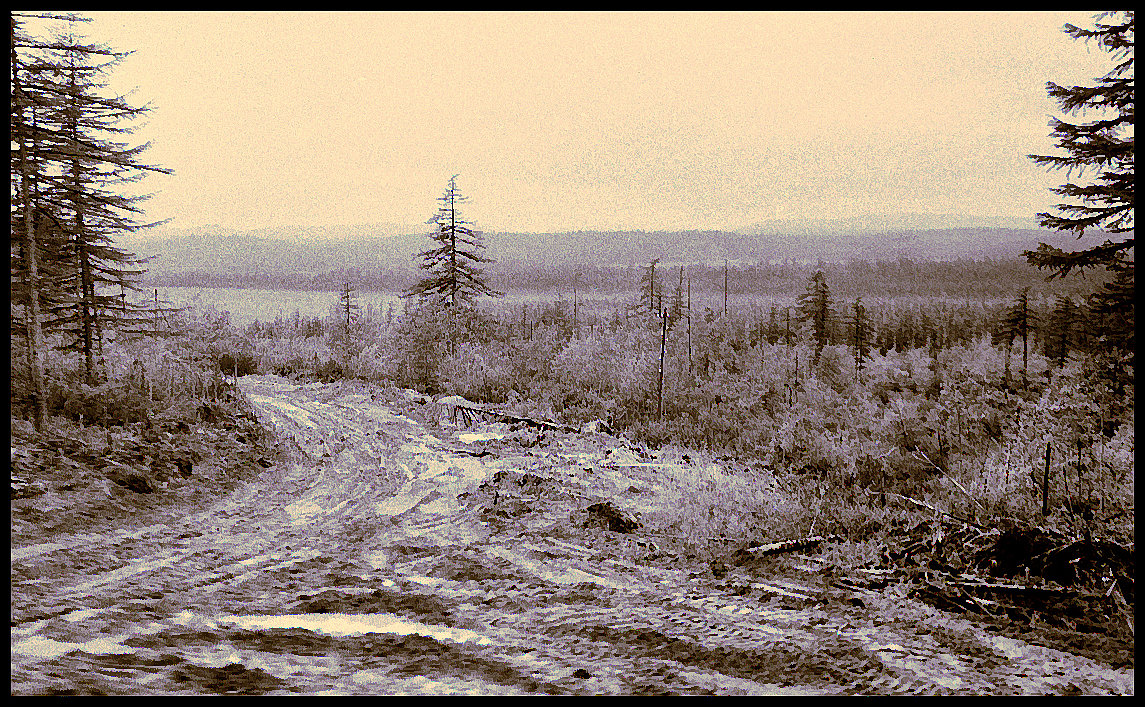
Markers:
point(47, 648)
point(354, 625)
point(471, 437)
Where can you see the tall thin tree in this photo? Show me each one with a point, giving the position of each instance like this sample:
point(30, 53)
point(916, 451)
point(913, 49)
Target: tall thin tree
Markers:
point(815, 306)
point(860, 335)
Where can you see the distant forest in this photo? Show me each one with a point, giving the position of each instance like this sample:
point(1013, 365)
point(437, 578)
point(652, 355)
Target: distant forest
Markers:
point(963, 279)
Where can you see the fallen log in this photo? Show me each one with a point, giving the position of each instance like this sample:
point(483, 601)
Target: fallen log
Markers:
point(468, 414)
point(927, 506)
point(787, 546)
point(1015, 589)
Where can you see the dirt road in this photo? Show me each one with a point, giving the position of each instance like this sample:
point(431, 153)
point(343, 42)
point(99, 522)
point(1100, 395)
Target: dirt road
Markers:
point(392, 558)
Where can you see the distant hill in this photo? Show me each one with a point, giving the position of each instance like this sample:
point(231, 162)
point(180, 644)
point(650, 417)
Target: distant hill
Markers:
point(317, 250)
point(883, 223)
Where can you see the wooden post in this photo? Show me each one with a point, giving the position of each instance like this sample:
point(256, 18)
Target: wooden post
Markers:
point(1046, 484)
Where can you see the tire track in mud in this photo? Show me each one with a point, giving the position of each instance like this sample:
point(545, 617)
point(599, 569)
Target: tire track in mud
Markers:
point(375, 562)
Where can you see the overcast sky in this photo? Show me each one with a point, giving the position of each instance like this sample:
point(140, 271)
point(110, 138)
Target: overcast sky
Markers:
point(564, 121)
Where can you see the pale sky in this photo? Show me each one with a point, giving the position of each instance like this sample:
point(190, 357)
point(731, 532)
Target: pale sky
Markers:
point(566, 121)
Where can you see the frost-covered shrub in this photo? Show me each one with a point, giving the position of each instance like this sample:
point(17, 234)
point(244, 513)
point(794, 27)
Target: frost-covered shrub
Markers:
point(297, 356)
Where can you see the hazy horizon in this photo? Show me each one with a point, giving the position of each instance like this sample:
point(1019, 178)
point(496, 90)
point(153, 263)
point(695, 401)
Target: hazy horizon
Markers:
point(562, 122)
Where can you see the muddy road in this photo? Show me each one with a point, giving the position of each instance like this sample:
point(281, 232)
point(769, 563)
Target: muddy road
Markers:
point(383, 556)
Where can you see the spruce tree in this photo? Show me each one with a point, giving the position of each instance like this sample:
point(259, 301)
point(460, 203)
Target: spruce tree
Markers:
point(649, 290)
point(454, 277)
point(772, 326)
point(77, 170)
point(679, 305)
point(815, 307)
point(1059, 333)
point(860, 338)
point(1104, 147)
point(23, 169)
point(1019, 320)
point(348, 309)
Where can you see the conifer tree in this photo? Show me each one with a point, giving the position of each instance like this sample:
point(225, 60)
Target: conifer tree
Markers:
point(772, 326)
point(679, 305)
point(348, 307)
point(860, 334)
point(1104, 147)
point(76, 176)
point(96, 168)
point(454, 277)
point(1059, 333)
point(23, 169)
point(1020, 321)
point(649, 289)
point(815, 307)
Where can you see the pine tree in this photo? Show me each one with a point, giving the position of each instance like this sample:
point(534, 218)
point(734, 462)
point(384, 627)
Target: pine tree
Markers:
point(1105, 146)
point(454, 279)
point(815, 307)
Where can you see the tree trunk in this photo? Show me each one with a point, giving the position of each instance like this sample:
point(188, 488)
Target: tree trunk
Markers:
point(660, 372)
